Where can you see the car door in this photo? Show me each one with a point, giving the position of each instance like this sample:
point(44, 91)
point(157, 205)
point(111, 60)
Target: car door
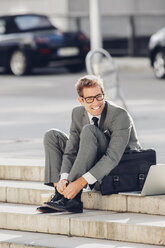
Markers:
point(2, 35)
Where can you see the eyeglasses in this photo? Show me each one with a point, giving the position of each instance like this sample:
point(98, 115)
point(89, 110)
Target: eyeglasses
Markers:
point(90, 99)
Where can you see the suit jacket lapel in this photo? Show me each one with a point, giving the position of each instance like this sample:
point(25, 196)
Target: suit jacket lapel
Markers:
point(103, 115)
point(85, 119)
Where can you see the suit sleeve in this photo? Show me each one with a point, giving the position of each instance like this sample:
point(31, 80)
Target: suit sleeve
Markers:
point(120, 134)
point(71, 148)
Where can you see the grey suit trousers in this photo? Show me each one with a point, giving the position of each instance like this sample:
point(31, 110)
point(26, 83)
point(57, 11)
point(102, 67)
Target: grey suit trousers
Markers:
point(93, 144)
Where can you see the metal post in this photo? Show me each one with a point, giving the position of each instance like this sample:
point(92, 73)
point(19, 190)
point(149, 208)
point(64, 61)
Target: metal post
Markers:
point(95, 27)
point(131, 42)
point(78, 23)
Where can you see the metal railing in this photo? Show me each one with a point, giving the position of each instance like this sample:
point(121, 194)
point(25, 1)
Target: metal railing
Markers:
point(100, 63)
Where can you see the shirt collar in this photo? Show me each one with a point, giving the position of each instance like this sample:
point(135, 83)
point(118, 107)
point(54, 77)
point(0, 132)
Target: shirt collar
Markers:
point(91, 116)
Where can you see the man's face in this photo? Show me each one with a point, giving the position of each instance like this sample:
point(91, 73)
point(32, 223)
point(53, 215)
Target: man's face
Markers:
point(96, 107)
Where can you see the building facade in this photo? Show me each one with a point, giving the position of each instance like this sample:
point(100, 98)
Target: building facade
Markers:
point(129, 22)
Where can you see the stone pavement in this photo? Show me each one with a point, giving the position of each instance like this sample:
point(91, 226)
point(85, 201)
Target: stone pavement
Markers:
point(138, 221)
point(119, 217)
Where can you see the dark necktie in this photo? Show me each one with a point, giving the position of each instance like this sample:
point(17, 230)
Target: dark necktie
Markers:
point(95, 120)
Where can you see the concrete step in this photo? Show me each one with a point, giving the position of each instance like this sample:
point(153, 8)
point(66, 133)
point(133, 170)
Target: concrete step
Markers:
point(36, 193)
point(129, 227)
point(20, 239)
point(24, 192)
point(22, 169)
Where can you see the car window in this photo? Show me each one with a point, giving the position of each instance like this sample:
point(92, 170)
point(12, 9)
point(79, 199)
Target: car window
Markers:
point(32, 22)
point(2, 27)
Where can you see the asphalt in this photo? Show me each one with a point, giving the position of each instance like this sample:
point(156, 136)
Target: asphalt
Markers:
point(133, 63)
point(148, 114)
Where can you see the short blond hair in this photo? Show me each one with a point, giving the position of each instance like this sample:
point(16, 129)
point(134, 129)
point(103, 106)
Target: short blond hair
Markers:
point(88, 81)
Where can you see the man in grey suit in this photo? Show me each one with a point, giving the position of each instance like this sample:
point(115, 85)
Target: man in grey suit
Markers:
point(99, 134)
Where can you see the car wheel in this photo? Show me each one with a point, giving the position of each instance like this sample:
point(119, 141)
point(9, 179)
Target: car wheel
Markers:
point(159, 65)
point(19, 63)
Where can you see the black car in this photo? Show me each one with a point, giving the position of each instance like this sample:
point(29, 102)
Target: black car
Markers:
point(30, 40)
point(157, 53)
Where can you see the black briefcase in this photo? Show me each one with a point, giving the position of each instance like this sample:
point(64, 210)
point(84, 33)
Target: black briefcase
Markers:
point(130, 173)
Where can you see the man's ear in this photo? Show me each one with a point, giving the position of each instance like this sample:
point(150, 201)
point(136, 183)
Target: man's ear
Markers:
point(81, 100)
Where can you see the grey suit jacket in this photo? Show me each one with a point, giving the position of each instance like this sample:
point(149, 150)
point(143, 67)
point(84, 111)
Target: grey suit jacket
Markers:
point(118, 125)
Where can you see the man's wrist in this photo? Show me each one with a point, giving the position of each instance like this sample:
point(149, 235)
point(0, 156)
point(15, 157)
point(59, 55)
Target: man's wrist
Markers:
point(64, 176)
point(64, 180)
point(82, 182)
point(89, 178)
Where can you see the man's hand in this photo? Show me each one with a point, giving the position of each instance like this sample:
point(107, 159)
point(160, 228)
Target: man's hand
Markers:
point(61, 185)
point(74, 188)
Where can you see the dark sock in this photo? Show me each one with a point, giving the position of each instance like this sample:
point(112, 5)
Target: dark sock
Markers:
point(57, 193)
point(57, 196)
point(78, 196)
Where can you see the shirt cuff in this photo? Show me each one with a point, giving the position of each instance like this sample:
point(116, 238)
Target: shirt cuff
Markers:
point(64, 176)
point(89, 178)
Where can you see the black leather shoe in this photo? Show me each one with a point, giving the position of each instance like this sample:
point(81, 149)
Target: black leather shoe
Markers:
point(65, 205)
point(44, 209)
point(57, 196)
